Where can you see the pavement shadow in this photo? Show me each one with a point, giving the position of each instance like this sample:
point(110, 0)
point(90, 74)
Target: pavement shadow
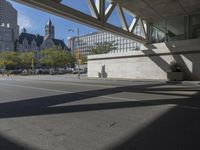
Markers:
point(9, 144)
point(47, 105)
point(178, 129)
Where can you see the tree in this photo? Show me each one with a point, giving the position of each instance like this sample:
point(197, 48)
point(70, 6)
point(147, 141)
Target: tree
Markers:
point(55, 57)
point(70, 59)
point(103, 47)
point(83, 60)
point(8, 59)
point(27, 59)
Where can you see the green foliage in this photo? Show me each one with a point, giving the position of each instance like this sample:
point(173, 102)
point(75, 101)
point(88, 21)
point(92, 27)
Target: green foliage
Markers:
point(70, 59)
point(26, 59)
point(103, 47)
point(83, 60)
point(175, 67)
point(55, 57)
point(8, 59)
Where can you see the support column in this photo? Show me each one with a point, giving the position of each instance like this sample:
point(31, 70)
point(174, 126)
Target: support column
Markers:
point(100, 5)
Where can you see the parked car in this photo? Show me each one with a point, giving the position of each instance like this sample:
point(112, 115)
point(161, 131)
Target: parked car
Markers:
point(57, 71)
point(75, 71)
point(42, 71)
point(69, 70)
point(38, 71)
point(24, 72)
point(45, 71)
point(16, 71)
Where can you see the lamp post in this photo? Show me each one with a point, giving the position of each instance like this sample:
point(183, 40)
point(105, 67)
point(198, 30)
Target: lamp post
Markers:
point(78, 50)
point(32, 66)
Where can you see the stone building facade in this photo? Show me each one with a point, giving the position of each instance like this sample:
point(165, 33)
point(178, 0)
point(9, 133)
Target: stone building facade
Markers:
point(34, 42)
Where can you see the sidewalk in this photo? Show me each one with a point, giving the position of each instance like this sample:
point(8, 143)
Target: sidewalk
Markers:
point(74, 77)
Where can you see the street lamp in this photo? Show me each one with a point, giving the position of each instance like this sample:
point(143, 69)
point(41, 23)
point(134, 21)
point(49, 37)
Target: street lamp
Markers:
point(32, 66)
point(78, 50)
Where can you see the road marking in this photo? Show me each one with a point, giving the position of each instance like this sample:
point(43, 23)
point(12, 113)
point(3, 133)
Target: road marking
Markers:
point(61, 82)
point(67, 92)
point(107, 97)
point(36, 88)
point(70, 83)
point(119, 98)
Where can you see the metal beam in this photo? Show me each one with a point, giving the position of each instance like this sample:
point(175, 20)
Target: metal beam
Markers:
point(142, 27)
point(102, 9)
point(109, 10)
point(64, 11)
point(93, 8)
point(134, 25)
point(122, 17)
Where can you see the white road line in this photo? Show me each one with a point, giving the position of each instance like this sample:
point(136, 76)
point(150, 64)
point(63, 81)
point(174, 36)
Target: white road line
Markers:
point(36, 88)
point(83, 84)
point(64, 83)
point(120, 98)
point(67, 92)
point(83, 94)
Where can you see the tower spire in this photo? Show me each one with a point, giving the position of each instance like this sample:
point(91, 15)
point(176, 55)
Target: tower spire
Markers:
point(49, 30)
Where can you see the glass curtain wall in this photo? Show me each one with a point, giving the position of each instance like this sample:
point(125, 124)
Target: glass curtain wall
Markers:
point(194, 26)
point(175, 28)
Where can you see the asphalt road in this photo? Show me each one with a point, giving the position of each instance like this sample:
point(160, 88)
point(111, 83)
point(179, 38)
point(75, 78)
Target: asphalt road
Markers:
point(69, 114)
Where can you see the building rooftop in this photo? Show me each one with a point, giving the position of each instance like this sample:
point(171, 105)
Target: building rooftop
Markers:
point(39, 39)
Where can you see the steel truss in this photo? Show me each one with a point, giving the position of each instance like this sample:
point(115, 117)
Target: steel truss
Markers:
point(99, 16)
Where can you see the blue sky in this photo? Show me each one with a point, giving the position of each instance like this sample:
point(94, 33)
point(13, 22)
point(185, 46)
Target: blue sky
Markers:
point(34, 20)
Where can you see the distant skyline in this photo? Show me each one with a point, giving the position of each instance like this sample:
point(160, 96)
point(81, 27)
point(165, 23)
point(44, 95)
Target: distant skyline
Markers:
point(35, 20)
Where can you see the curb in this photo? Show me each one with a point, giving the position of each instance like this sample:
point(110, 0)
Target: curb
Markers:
point(196, 83)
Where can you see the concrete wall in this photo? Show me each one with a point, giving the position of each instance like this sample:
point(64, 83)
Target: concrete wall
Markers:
point(151, 63)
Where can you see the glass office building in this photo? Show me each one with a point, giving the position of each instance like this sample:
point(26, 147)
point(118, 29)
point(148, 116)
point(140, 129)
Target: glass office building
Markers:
point(89, 40)
point(169, 29)
point(176, 28)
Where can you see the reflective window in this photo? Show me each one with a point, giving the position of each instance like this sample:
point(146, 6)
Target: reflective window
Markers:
point(176, 28)
point(194, 26)
point(157, 35)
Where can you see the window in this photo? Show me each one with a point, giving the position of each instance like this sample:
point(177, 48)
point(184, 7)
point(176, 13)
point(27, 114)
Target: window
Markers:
point(194, 26)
